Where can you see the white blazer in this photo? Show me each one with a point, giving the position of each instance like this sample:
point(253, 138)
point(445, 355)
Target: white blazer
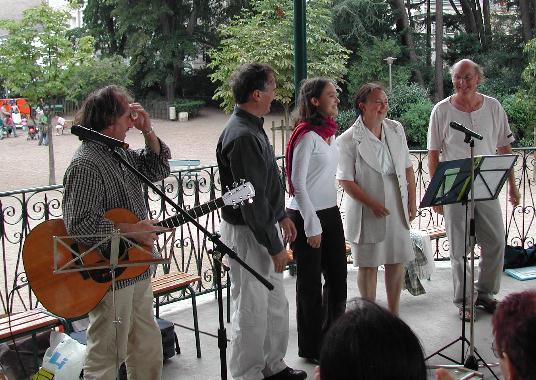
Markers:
point(358, 163)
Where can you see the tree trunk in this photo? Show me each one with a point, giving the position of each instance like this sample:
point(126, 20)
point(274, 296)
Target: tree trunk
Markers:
point(402, 26)
point(468, 17)
point(477, 11)
point(487, 20)
point(51, 160)
point(439, 51)
point(524, 10)
point(428, 35)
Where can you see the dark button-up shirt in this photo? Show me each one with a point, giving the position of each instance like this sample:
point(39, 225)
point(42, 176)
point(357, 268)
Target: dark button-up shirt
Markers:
point(244, 152)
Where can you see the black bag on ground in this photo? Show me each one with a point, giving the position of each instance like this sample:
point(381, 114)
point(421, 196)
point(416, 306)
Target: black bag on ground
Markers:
point(518, 257)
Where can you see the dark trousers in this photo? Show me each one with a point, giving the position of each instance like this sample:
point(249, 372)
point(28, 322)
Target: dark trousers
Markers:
point(318, 308)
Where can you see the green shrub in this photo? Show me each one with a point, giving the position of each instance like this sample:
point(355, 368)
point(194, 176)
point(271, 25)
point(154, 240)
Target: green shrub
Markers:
point(521, 111)
point(189, 105)
point(415, 122)
point(403, 97)
point(345, 119)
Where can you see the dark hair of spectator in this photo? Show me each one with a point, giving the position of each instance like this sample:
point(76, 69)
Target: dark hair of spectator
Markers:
point(306, 111)
point(102, 108)
point(362, 94)
point(514, 329)
point(248, 78)
point(369, 342)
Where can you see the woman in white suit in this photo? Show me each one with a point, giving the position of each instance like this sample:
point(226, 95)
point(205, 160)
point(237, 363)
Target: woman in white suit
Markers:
point(376, 173)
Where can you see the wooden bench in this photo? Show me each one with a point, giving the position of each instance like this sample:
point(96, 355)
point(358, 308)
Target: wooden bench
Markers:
point(177, 164)
point(28, 323)
point(436, 233)
point(174, 282)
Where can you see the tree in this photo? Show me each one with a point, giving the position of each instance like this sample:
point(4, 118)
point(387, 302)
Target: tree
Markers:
point(36, 59)
point(159, 37)
point(403, 27)
point(264, 34)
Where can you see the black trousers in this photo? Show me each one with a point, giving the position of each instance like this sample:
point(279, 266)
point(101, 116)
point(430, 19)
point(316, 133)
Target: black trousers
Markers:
point(318, 308)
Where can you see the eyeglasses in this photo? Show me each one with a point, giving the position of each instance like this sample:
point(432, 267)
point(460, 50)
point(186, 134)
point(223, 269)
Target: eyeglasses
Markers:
point(465, 78)
point(386, 103)
point(498, 353)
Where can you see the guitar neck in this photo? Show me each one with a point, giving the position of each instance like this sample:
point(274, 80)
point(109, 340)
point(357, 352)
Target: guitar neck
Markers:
point(195, 212)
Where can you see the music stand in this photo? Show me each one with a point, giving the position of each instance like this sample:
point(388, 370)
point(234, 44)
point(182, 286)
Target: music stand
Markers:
point(462, 181)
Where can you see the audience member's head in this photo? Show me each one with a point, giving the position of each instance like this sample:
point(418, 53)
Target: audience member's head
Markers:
point(368, 342)
point(514, 330)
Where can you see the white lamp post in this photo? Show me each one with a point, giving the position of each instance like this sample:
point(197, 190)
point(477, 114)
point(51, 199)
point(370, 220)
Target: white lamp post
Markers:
point(390, 61)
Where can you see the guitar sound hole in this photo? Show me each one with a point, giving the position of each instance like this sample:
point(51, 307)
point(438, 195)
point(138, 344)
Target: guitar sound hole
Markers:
point(101, 275)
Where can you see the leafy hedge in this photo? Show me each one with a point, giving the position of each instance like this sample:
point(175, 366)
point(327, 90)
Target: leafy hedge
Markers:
point(191, 106)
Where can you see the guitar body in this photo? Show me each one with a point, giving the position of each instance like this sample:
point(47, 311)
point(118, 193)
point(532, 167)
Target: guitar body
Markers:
point(74, 294)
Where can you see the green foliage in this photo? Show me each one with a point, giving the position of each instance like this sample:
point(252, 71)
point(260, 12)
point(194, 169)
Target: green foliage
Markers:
point(403, 96)
point(529, 73)
point(345, 119)
point(521, 111)
point(36, 56)
point(370, 65)
point(415, 122)
point(93, 74)
point(359, 22)
point(265, 34)
point(189, 105)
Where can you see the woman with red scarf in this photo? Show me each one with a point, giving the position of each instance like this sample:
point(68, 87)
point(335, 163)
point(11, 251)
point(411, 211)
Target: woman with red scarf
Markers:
point(319, 248)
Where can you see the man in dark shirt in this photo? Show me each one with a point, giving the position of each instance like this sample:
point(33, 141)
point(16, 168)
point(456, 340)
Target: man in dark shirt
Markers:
point(261, 319)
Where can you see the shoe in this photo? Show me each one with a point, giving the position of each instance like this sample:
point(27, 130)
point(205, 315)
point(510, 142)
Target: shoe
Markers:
point(487, 303)
point(467, 316)
point(288, 374)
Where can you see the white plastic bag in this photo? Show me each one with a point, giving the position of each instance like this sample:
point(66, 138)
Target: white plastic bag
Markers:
point(65, 357)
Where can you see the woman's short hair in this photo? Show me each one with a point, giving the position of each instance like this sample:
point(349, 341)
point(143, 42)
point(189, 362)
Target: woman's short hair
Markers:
point(362, 94)
point(514, 329)
point(247, 78)
point(102, 107)
point(305, 110)
point(369, 342)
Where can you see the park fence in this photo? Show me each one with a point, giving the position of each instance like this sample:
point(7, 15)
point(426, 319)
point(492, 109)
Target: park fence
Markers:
point(188, 249)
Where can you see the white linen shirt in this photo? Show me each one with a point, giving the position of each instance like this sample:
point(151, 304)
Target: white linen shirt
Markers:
point(314, 164)
point(490, 121)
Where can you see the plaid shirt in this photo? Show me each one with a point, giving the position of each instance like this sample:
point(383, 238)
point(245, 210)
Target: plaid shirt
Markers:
point(96, 182)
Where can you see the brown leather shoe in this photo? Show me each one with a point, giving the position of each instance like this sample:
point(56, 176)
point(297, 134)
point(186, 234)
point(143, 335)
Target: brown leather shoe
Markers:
point(288, 374)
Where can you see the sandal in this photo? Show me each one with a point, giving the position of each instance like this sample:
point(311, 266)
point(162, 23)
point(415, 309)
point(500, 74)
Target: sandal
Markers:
point(467, 316)
point(486, 303)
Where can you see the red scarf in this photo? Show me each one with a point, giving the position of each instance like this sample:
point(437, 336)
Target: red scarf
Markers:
point(326, 130)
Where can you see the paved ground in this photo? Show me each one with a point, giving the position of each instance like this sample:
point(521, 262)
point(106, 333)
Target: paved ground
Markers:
point(432, 316)
point(25, 164)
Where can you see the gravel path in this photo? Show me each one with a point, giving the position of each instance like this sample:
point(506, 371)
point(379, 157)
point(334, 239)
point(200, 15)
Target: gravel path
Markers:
point(25, 164)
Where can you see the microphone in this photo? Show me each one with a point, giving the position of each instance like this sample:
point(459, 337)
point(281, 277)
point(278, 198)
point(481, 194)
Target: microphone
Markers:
point(89, 134)
point(467, 131)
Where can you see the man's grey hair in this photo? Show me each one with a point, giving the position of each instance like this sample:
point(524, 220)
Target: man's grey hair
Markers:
point(478, 69)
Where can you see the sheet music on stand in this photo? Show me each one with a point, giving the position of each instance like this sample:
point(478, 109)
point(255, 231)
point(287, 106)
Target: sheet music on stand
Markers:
point(452, 180)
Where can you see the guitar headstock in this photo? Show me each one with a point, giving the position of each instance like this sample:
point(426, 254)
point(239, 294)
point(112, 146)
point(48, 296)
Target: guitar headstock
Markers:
point(239, 194)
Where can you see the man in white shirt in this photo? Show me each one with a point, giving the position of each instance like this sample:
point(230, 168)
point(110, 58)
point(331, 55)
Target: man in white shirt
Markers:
point(486, 116)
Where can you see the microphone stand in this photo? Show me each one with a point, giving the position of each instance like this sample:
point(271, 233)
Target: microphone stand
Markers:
point(470, 361)
point(221, 248)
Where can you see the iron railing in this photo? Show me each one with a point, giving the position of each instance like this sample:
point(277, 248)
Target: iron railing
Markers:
point(188, 249)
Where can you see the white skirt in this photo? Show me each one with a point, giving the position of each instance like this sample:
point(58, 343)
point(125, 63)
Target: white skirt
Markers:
point(396, 247)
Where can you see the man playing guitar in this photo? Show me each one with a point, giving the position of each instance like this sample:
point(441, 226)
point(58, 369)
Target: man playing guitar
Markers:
point(94, 183)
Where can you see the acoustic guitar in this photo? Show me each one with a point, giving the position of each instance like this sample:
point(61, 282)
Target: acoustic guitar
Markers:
point(74, 294)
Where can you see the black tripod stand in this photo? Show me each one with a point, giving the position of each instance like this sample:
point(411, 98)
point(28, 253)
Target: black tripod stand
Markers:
point(454, 182)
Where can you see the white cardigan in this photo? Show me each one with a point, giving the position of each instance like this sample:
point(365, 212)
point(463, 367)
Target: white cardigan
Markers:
point(358, 163)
